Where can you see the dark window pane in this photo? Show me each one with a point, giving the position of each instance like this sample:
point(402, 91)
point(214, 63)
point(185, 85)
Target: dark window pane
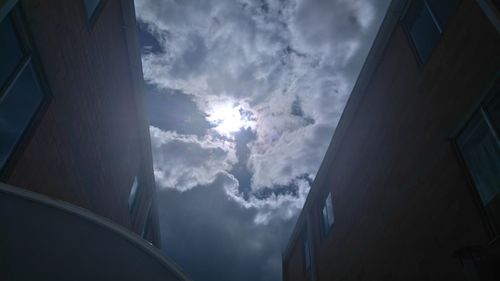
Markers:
point(11, 53)
point(324, 213)
point(327, 213)
point(90, 7)
point(481, 152)
point(17, 107)
point(133, 194)
point(443, 9)
point(422, 28)
point(132, 199)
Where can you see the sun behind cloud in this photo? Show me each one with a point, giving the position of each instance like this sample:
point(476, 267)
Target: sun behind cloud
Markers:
point(229, 117)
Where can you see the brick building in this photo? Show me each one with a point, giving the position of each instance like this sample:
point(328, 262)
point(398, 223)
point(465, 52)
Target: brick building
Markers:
point(72, 120)
point(409, 188)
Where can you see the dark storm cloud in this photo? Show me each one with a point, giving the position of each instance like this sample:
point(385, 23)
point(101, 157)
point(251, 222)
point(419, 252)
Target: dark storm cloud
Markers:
point(147, 40)
point(171, 110)
point(240, 169)
point(210, 236)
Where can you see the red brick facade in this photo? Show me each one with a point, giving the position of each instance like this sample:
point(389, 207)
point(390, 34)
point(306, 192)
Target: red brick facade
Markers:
point(91, 139)
point(403, 201)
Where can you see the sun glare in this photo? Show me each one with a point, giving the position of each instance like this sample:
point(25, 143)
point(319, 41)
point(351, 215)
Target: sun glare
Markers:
point(228, 119)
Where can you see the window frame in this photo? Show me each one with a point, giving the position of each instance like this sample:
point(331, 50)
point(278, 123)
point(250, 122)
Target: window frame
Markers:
point(307, 237)
point(12, 10)
point(92, 20)
point(493, 89)
point(407, 31)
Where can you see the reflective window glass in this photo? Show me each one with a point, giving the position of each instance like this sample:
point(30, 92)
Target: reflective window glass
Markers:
point(90, 7)
point(327, 214)
point(479, 144)
point(443, 10)
point(11, 52)
point(422, 29)
point(17, 108)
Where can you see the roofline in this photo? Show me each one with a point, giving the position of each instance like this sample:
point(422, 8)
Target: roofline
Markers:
point(371, 63)
point(137, 79)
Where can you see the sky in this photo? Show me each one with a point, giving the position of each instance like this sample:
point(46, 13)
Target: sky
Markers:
point(243, 98)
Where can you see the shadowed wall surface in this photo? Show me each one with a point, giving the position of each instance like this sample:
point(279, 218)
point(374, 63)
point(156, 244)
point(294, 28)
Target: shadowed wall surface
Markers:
point(91, 139)
point(403, 202)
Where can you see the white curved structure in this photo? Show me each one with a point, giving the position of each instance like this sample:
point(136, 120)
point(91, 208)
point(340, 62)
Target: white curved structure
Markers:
point(45, 239)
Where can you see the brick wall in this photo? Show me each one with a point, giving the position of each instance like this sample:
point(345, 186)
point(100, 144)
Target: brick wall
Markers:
point(402, 201)
point(85, 148)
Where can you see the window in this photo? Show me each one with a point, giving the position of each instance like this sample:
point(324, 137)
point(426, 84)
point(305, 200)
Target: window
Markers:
point(327, 217)
point(424, 22)
point(479, 144)
point(21, 94)
point(442, 10)
point(308, 252)
point(91, 7)
point(132, 199)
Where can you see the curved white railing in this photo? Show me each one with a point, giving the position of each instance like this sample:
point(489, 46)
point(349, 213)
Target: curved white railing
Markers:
point(46, 239)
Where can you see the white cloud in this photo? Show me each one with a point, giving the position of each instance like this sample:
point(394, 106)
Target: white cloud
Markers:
point(268, 56)
point(295, 153)
point(182, 162)
point(332, 28)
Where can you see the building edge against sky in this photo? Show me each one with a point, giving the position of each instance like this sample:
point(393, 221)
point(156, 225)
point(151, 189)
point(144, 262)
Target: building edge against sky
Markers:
point(407, 200)
point(78, 132)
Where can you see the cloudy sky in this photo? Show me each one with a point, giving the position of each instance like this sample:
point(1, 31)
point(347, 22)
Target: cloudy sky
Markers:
point(243, 98)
